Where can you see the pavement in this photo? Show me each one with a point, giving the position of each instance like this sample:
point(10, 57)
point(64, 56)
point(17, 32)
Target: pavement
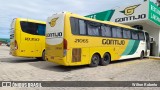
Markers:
point(30, 69)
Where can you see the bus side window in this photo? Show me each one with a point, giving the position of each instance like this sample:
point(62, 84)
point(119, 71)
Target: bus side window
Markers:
point(41, 29)
point(82, 27)
point(32, 28)
point(134, 35)
point(119, 32)
point(141, 36)
point(106, 31)
point(93, 28)
point(116, 32)
point(24, 27)
point(126, 34)
point(74, 26)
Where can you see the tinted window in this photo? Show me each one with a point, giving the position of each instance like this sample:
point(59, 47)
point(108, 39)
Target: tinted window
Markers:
point(126, 34)
point(41, 29)
point(33, 28)
point(141, 35)
point(116, 32)
point(82, 27)
point(119, 32)
point(134, 35)
point(93, 28)
point(106, 30)
point(85, 27)
point(28, 27)
point(74, 26)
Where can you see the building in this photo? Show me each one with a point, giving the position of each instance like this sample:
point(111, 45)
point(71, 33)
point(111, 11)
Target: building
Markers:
point(146, 14)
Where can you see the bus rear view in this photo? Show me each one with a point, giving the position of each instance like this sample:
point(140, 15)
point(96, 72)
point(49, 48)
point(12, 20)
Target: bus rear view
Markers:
point(27, 38)
point(56, 43)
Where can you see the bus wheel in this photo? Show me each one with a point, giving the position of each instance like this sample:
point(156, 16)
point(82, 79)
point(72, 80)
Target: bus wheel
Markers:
point(142, 55)
point(43, 56)
point(39, 58)
point(106, 59)
point(95, 60)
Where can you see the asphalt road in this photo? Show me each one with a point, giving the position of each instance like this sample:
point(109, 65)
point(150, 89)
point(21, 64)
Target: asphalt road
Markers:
point(30, 69)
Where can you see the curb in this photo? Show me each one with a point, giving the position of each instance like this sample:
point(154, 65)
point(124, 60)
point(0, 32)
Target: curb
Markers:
point(155, 58)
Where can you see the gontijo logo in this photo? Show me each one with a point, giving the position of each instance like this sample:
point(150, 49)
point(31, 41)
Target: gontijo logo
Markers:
point(129, 10)
point(53, 22)
point(54, 35)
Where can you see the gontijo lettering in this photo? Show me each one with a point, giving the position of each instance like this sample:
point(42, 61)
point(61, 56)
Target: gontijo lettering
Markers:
point(112, 42)
point(31, 39)
point(56, 34)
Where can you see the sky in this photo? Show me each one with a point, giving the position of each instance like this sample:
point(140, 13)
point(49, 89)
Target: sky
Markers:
point(41, 9)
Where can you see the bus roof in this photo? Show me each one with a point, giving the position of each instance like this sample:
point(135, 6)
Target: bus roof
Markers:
point(31, 20)
point(104, 22)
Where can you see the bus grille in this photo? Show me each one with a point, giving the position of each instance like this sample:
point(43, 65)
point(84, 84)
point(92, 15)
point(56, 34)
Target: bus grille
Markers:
point(76, 55)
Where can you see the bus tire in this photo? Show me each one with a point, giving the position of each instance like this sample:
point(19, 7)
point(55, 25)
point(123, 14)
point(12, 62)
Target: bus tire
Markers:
point(38, 58)
point(43, 56)
point(106, 59)
point(142, 55)
point(95, 60)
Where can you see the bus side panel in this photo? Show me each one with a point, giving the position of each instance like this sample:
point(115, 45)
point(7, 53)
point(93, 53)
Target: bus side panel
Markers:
point(77, 53)
point(133, 49)
point(85, 56)
point(120, 49)
point(82, 56)
point(114, 49)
